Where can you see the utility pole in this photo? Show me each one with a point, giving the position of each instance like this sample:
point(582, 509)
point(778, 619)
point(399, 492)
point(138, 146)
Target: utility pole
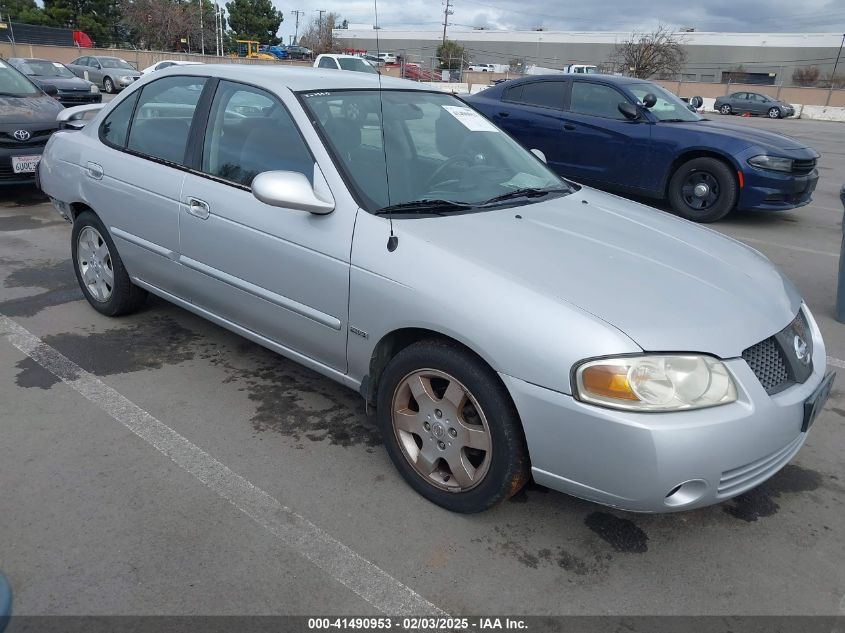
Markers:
point(446, 13)
point(296, 28)
point(202, 30)
point(320, 29)
point(832, 75)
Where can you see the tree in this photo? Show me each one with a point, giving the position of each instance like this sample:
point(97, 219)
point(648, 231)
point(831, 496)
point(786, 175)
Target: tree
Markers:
point(645, 55)
point(25, 11)
point(516, 65)
point(451, 55)
point(254, 20)
point(319, 36)
point(100, 19)
point(806, 76)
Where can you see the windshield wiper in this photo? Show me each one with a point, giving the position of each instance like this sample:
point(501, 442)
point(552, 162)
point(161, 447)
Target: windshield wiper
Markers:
point(678, 120)
point(436, 207)
point(527, 192)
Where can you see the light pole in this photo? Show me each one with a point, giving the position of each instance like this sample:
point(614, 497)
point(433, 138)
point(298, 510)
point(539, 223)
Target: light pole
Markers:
point(202, 30)
point(833, 74)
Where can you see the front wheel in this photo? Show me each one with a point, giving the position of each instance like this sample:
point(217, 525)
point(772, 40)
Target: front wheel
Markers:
point(725, 109)
point(703, 190)
point(108, 85)
point(774, 113)
point(450, 427)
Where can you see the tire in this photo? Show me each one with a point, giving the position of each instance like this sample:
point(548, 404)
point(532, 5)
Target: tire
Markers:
point(774, 113)
point(485, 407)
point(721, 185)
point(113, 294)
point(108, 85)
point(725, 109)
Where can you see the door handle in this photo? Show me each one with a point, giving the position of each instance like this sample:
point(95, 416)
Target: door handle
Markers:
point(94, 171)
point(198, 208)
point(568, 126)
point(504, 115)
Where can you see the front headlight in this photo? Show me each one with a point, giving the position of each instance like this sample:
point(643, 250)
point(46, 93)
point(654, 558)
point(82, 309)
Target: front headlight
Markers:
point(774, 163)
point(655, 382)
point(94, 88)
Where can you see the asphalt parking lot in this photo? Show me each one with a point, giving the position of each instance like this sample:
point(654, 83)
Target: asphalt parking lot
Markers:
point(98, 519)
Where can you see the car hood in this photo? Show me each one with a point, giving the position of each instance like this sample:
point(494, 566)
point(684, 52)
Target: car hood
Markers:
point(38, 109)
point(668, 284)
point(751, 136)
point(63, 83)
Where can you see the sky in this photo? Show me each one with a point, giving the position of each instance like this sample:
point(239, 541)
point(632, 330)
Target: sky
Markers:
point(583, 15)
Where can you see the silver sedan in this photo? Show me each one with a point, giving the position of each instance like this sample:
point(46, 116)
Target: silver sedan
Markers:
point(504, 323)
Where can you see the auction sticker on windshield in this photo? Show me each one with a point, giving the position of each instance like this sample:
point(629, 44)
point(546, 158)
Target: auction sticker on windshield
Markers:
point(25, 164)
point(470, 119)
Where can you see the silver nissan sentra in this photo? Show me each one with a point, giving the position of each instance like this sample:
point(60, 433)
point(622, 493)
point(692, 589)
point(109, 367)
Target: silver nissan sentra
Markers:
point(504, 323)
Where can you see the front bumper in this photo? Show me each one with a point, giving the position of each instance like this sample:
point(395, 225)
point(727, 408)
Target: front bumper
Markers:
point(70, 99)
point(633, 461)
point(776, 191)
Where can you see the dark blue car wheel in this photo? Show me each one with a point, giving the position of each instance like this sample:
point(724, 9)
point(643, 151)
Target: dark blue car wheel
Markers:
point(703, 190)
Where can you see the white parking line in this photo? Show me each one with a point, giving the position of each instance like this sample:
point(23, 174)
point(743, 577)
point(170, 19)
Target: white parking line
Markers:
point(836, 362)
point(370, 582)
point(800, 249)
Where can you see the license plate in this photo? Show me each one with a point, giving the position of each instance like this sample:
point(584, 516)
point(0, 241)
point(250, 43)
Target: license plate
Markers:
point(25, 164)
point(815, 403)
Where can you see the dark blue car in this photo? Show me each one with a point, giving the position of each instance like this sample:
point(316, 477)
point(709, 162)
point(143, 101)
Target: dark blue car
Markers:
point(632, 136)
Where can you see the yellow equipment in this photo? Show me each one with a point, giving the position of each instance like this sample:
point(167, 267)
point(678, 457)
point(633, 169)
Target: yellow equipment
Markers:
point(248, 49)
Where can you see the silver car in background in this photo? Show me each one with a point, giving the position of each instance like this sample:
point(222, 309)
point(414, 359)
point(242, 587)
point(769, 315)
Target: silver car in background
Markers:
point(111, 74)
point(504, 322)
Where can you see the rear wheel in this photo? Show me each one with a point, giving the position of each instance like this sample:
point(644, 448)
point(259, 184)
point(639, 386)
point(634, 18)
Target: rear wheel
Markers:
point(725, 109)
point(703, 190)
point(774, 113)
point(450, 427)
point(108, 85)
point(99, 269)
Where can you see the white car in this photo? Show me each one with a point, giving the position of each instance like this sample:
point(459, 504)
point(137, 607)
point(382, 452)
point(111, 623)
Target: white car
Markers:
point(483, 68)
point(387, 58)
point(344, 62)
point(166, 63)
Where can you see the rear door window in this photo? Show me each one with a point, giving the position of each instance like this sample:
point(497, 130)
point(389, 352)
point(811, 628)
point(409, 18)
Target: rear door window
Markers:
point(163, 118)
point(115, 126)
point(328, 62)
point(546, 94)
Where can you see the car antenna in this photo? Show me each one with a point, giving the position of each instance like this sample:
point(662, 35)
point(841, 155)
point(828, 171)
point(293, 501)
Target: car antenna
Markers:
point(393, 240)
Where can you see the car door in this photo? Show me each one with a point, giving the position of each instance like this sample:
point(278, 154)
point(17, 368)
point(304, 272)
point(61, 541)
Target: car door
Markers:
point(599, 144)
point(758, 104)
point(280, 273)
point(133, 179)
point(531, 112)
point(78, 66)
point(739, 102)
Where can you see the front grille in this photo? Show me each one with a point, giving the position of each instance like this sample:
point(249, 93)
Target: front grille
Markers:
point(738, 480)
point(775, 360)
point(37, 139)
point(803, 166)
point(81, 97)
point(766, 361)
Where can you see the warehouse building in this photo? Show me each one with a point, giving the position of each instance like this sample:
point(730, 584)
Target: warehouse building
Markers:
point(762, 58)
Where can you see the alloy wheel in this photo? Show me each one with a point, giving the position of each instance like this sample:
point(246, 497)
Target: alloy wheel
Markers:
point(95, 264)
point(441, 430)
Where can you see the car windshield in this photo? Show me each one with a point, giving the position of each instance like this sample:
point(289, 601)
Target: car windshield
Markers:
point(355, 63)
point(14, 84)
point(435, 148)
point(43, 68)
point(114, 62)
point(668, 107)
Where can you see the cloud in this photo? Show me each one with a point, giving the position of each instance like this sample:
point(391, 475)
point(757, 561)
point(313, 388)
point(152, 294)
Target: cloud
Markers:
point(606, 15)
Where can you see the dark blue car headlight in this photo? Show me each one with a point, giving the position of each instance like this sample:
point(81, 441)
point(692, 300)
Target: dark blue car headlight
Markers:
point(772, 163)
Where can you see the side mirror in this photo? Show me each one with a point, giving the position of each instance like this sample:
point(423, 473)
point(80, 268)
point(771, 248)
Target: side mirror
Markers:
point(50, 90)
point(291, 190)
point(629, 110)
point(649, 100)
point(696, 102)
point(539, 155)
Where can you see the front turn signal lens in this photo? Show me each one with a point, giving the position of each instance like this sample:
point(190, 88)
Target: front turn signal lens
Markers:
point(609, 381)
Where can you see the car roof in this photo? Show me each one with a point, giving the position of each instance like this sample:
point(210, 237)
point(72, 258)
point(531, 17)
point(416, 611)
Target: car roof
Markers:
point(606, 79)
point(296, 79)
